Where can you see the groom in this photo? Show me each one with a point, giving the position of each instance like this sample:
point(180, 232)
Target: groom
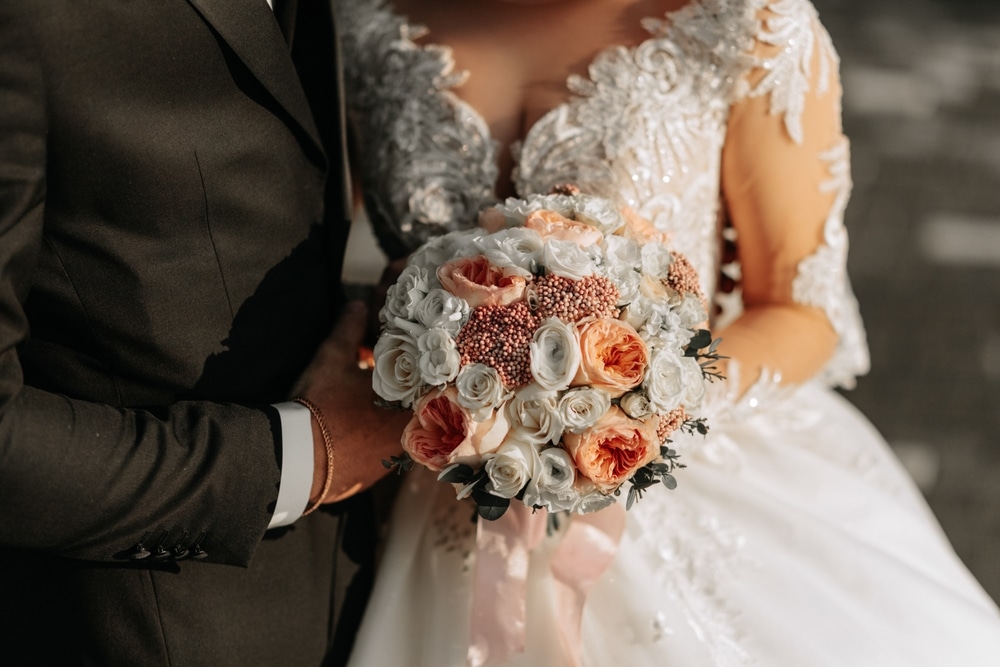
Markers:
point(173, 213)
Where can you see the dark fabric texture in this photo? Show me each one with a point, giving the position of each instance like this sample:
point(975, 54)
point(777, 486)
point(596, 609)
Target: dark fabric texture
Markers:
point(172, 224)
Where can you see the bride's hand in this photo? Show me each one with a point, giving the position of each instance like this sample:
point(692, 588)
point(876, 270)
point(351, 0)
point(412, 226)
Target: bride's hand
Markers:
point(363, 434)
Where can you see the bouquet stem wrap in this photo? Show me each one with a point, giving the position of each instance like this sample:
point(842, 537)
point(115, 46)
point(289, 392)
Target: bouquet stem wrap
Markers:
point(503, 548)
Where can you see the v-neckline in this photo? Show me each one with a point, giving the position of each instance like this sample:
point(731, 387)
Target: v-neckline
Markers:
point(515, 149)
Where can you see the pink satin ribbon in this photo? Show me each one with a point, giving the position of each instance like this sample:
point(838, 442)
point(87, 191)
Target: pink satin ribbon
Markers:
point(499, 596)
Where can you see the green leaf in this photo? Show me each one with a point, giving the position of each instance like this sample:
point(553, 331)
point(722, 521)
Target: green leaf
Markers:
point(457, 473)
point(703, 338)
point(489, 507)
point(669, 482)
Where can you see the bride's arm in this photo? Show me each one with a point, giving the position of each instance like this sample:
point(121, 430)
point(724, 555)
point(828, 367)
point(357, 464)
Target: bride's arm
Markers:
point(780, 186)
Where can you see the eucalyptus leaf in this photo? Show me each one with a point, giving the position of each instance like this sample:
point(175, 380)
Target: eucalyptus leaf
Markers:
point(457, 473)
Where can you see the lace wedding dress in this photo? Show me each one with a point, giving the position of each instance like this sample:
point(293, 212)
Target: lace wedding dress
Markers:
point(794, 538)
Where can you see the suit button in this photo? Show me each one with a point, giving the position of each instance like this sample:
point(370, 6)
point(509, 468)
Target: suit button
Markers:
point(196, 551)
point(139, 551)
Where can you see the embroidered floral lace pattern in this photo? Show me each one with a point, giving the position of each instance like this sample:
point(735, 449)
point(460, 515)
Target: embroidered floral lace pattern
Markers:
point(428, 162)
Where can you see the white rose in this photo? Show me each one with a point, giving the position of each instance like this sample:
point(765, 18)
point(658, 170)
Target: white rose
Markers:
point(555, 354)
point(439, 358)
point(665, 380)
point(626, 279)
point(397, 375)
point(636, 405)
point(405, 294)
point(510, 468)
point(638, 312)
point(622, 251)
point(592, 500)
point(517, 248)
point(551, 486)
point(656, 260)
point(480, 390)
point(567, 259)
point(694, 382)
point(581, 407)
point(691, 312)
point(599, 212)
point(442, 310)
point(534, 416)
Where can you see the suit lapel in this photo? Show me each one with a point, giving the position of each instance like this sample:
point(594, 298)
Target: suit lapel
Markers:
point(252, 33)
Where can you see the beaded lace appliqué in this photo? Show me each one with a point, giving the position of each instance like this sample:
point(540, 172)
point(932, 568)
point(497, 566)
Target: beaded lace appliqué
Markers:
point(428, 162)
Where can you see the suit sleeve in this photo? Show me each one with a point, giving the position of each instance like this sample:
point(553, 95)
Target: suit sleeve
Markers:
point(88, 480)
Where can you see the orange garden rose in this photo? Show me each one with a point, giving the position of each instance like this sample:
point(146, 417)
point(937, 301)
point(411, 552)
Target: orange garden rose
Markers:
point(639, 229)
point(613, 356)
point(552, 225)
point(443, 432)
point(480, 283)
point(610, 451)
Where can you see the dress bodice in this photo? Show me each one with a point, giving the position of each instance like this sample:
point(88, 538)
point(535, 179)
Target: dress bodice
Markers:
point(646, 127)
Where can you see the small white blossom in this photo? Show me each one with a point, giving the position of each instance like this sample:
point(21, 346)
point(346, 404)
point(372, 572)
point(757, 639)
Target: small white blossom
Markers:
point(439, 358)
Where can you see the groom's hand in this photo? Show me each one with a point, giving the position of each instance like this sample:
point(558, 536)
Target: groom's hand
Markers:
point(363, 433)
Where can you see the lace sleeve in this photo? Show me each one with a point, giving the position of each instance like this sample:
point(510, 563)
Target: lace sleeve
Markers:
point(786, 180)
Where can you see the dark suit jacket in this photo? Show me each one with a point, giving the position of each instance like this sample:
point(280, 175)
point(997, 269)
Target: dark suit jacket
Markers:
point(172, 222)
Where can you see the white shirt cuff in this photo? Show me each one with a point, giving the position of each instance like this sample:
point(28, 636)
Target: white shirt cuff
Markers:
point(296, 464)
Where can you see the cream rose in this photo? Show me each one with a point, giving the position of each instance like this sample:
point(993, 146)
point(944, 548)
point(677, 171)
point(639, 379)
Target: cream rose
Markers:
point(656, 260)
point(555, 354)
point(568, 260)
point(405, 295)
point(534, 416)
point(598, 212)
point(636, 405)
point(516, 251)
point(551, 486)
point(396, 376)
point(582, 407)
point(510, 468)
point(665, 380)
point(612, 450)
point(613, 356)
point(480, 283)
point(442, 310)
point(480, 389)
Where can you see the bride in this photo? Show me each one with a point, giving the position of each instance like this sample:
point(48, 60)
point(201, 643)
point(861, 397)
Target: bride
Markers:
point(794, 539)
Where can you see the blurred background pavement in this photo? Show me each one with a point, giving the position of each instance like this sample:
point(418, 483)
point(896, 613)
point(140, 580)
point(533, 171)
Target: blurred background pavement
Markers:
point(922, 108)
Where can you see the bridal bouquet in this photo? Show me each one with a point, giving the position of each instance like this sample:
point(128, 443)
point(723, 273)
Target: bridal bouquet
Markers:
point(547, 355)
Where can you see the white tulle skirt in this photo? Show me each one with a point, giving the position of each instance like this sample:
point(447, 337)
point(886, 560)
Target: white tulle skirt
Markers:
point(794, 539)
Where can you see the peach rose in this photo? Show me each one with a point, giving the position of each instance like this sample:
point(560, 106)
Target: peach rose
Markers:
point(480, 283)
point(610, 451)
point(639, 229)
point(613, 356)
point(443, 432)
point(552, 225)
